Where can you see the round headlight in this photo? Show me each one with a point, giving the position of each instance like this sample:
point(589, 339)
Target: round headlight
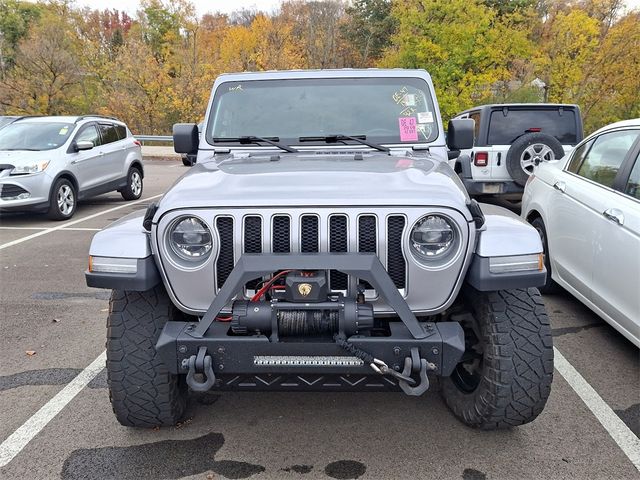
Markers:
point(432, 237)
point(190, 239)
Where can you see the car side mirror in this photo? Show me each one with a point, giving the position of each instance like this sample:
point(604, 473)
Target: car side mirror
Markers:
point(460, 133)
point(185, 138)
point(83, 145)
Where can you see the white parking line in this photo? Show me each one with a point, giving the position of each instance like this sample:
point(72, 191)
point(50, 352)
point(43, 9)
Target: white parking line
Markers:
point(74, 222)
point(628, 442)
point(29, 429)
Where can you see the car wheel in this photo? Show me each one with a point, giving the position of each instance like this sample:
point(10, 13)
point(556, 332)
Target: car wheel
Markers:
point(530, 150)
point(63, 201)
point(142, 391)
point(504, 378)
point(550, 285)
point(133, 190)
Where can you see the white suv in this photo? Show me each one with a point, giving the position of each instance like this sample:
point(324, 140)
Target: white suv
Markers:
point(510, 140)
point(49, 163)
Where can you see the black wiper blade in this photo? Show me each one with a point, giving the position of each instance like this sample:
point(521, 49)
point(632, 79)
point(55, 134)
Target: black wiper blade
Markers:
point(340, 137)
point(275, 141)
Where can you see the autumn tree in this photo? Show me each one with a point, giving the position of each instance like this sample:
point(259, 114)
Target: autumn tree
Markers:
point(46, 77)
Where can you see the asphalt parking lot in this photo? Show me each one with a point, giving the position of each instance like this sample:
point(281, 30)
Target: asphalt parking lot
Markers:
point(47, 310)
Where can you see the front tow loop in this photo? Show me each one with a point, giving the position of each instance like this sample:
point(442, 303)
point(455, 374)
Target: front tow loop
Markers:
point(200, 364)
point(412, 364)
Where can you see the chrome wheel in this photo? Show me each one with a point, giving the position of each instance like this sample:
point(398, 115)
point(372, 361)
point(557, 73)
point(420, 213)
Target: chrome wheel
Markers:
point(66, 200)
point(136, 183)
point(533, 155)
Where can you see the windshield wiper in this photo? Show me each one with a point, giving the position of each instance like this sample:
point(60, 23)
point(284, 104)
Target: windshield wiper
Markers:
point(339, 137)
point(256, 140)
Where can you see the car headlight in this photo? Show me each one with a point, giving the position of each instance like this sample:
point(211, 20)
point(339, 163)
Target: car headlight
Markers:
point(30, 168)
point(190, 239)
point(432, 238)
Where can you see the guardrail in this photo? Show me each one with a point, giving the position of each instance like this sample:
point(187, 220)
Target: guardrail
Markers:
point(154, 138)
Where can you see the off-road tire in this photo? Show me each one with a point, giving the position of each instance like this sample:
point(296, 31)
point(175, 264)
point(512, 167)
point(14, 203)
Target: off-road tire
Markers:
point(55, 212)
point(550, 285)
point(142, 391)
point(518, 147)
point(516, 366)
point(132, 192)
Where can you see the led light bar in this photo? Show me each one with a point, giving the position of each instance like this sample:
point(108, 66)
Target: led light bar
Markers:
point(516, 263)
point(113, 265)
point(306, 361)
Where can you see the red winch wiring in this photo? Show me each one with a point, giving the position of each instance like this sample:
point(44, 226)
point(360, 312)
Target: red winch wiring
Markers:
point(268, 285)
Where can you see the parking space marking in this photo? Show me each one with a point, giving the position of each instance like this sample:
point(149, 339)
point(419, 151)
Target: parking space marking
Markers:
point(621, 434)
point(74, 222)
point(29, 429)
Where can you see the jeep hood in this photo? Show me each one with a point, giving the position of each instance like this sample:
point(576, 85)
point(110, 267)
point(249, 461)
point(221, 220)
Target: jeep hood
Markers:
point(317, 179)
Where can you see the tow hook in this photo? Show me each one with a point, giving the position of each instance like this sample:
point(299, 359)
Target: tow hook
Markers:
point(415, 364)
point(200, 364)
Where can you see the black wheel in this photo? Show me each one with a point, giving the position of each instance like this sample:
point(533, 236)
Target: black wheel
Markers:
point(188, 160)
point(133, 190)
point(528, 151)
point(504, 378)
point(142, 391)
point(63, 200)
point(550, 285)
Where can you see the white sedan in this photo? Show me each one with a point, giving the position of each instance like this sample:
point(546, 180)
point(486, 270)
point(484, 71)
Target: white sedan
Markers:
point(586, 208)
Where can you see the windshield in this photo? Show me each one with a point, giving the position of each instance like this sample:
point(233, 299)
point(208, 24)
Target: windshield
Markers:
point(505, 128)
point(385, 110)
point(34, 135)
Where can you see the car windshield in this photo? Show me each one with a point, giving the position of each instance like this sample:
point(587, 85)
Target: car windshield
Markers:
point(384, 110)
point(506, 125)
point(34, 136)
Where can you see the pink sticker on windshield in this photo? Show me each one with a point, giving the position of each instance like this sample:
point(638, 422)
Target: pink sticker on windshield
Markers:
point(408, 129)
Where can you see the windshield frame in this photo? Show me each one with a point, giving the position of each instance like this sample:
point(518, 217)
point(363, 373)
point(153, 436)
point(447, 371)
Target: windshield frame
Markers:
point(413, 80)
point(71, 127)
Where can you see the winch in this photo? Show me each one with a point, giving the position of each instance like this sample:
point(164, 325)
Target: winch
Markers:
point(303, 307)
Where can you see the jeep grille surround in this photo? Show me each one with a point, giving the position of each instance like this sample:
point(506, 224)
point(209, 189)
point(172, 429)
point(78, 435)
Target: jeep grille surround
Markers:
point(324, 229)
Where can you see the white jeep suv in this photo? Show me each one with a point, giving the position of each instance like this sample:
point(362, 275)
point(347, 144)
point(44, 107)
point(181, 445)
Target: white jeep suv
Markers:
point(510, 140)
point(49, 163)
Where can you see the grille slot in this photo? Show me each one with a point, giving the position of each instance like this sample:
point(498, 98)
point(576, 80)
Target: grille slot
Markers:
point(9, 190)
point(253, 240)
point(281, 236)
point(367, 238)
point(396, 264)
point(225, 262)
point(309, 234)
point(338, 242)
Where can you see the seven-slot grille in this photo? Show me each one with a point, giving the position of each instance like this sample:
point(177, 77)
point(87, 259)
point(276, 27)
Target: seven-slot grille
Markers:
point(305, 234)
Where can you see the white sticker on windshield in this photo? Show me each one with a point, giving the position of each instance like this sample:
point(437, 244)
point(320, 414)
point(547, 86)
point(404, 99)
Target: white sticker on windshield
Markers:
point(409, 100)
point(63, 131)
point(425, 117)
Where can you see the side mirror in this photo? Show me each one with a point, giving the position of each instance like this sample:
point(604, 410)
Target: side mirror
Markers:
point(185, 138)
point(460, 133)
point(83, 145)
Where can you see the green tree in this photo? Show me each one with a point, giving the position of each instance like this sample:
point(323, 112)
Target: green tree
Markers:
point(368, 29)
point(466, 47)
point(15, 19)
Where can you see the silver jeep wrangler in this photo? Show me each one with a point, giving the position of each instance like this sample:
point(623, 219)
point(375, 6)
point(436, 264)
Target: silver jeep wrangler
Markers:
point(322, 242)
